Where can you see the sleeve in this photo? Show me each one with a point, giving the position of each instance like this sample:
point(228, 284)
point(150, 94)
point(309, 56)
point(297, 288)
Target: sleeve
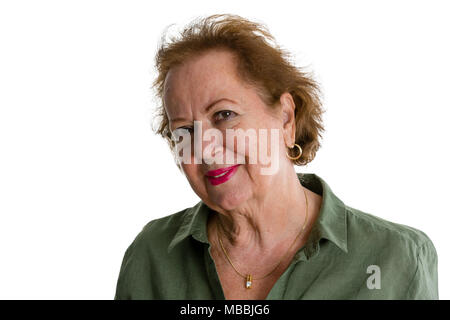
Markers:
point(121, 287)
point(424, 285)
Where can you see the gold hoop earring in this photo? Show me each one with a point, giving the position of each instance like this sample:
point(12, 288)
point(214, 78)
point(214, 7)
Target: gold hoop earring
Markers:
point(299, 154)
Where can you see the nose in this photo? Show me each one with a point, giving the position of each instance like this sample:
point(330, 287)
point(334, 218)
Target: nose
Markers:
point(212, 145)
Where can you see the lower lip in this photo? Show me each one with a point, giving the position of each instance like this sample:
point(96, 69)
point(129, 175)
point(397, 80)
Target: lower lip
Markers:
point(227, 176)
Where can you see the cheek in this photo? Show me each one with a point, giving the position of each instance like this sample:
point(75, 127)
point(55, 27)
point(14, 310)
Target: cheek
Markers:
point(266, 145)
point(190, 171)
point(194, 176)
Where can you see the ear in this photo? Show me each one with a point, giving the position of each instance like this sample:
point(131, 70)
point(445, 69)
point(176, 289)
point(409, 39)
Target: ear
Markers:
point(288, 116)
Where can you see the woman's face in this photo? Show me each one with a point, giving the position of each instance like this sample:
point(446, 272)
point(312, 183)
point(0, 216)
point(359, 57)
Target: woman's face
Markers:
point(207, 89)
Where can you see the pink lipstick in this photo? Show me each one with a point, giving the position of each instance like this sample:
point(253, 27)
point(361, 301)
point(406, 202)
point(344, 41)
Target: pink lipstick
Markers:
point(221, 175)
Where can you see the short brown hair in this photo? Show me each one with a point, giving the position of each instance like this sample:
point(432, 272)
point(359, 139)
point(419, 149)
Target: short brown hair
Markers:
point(264, 65)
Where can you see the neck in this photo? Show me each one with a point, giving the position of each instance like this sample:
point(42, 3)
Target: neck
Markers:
point(267, 223)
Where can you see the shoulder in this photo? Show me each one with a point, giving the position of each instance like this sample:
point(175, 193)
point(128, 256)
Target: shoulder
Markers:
point(143, 256)
point(158, 233)
point(371, 238)
point(371, 227)
point(405, 255)
point(153, 240)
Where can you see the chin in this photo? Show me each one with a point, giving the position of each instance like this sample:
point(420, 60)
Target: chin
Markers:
point(229, 198)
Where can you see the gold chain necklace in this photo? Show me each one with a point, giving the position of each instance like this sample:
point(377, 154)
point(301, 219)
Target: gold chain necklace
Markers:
point(249, 278)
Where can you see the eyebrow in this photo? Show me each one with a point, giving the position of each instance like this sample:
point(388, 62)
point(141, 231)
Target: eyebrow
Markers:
point(212, 104)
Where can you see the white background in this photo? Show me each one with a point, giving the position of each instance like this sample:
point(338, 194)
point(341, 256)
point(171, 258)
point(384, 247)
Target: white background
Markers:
point(81, 171)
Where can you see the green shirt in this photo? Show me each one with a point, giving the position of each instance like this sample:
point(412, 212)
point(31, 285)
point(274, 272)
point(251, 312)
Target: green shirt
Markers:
point(349, 254)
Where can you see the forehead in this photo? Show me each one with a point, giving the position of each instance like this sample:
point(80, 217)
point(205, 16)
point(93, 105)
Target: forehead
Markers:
point(201, 79)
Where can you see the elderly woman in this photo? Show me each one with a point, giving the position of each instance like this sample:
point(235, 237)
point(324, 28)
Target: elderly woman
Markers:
point(261, 230)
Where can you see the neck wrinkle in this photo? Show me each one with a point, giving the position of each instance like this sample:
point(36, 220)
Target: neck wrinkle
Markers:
point(267, 231)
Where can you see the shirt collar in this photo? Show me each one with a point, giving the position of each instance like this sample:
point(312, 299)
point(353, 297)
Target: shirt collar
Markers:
point(331, 223)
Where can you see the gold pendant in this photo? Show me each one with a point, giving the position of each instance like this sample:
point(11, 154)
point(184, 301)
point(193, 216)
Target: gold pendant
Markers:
point(248, 282)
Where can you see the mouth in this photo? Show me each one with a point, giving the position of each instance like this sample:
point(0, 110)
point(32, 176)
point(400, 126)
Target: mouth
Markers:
point(221, 175)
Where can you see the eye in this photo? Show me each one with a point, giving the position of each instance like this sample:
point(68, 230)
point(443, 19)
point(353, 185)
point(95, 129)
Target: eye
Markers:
point(189, 129)
point(181, 131)
point(224, 115)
